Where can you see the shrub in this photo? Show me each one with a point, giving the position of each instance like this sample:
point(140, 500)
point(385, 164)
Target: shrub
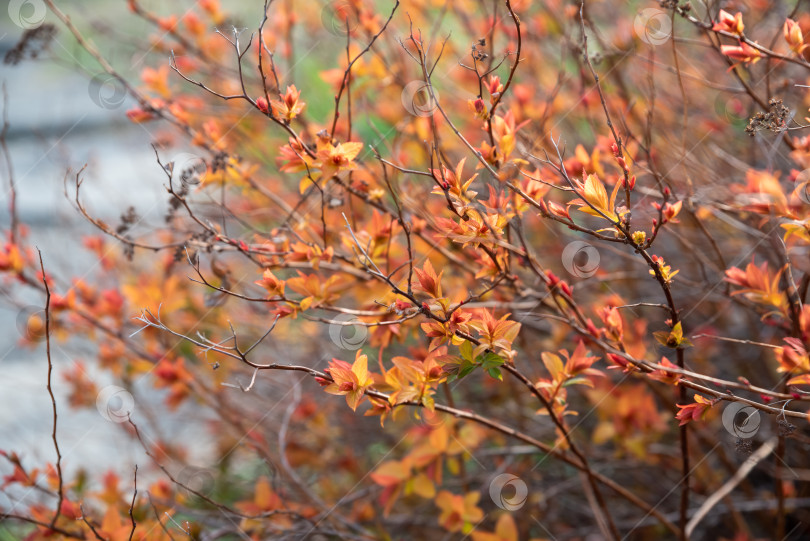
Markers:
point(557, 251)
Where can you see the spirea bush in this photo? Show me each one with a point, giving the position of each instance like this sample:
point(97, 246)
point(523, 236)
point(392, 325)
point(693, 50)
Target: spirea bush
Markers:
point(437, 270)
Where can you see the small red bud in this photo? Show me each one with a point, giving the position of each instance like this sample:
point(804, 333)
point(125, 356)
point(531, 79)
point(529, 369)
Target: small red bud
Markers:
point(261, 103)
point(617, 359)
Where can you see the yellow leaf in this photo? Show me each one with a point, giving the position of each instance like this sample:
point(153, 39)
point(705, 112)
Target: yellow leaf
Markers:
point(553, 363)
point(423, 486)
point(804, 379)
point(304, 184)
point(264, 494)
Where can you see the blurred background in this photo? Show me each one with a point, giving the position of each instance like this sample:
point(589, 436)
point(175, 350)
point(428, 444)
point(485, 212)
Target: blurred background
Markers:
point(64, 114)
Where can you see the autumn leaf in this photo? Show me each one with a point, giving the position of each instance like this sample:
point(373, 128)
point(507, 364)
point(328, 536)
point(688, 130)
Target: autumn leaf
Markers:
point(313, 288)
point(264, 499)
point(273, 285)
point(504, 130)
point(793, 36)
point(793, 357)
point(804, 379)
point(427, 280)
point(505, 530)
point(694, 411)
point(759, 285)
point(475, 227)
point(799, 229)
point(451, 181)
point(726, 22)
point(742, 52)
point(495, 334)
point(673, 339)
point(392, 476)
point(459, 513)
point(663, 375)
point(350, 380)
point(667, 274)
point(157, 80)
point(336, 158)
point(594, 198)
point(293, 157)
point(288, 107)
point(113, 528)
point(311, 253)
point(413, 381)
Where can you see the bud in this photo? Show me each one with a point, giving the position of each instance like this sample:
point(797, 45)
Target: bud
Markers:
point(558, 210)
point(727, 22)
point(793, 36)
point(261, 103)
point(619, 361)
point(479, 108)
point(401, 305)
point(167, 23)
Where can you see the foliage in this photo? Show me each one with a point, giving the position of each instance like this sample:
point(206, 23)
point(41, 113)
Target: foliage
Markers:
point(569, 242)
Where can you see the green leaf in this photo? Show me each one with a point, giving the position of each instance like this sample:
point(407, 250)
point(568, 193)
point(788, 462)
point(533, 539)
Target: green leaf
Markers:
point(578, 381)
point(465, 369)
point(495, 373)
point(491, 360)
